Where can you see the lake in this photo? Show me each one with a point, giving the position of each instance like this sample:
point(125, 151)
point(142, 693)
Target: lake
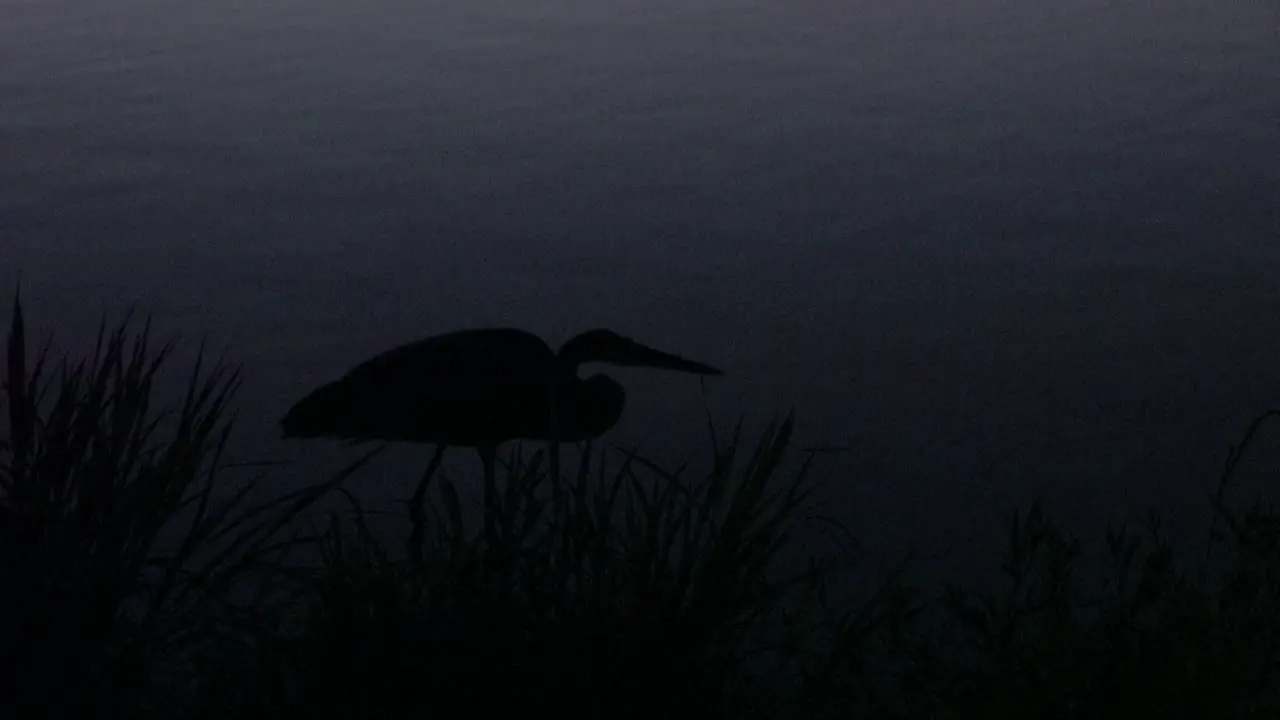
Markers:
point(993, 249)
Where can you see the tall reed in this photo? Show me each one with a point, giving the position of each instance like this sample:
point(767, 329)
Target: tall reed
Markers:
point(121, 548)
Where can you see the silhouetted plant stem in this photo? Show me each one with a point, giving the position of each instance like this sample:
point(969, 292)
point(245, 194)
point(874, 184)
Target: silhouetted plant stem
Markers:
point(1234, 455)
point(417, 512)
point(19, 408)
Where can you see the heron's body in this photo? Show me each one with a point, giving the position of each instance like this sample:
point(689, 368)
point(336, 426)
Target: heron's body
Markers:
point(466, 388)
point(478, 388)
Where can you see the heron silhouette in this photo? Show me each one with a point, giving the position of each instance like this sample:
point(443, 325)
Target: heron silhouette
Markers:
point(479, 388)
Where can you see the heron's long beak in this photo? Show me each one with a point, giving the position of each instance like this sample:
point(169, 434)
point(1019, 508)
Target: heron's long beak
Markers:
point(636, 355)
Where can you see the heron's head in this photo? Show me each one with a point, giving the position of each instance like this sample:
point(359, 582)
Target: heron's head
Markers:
point(607, 346)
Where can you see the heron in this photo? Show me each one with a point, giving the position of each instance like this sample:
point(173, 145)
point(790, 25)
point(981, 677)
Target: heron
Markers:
point(479, 388)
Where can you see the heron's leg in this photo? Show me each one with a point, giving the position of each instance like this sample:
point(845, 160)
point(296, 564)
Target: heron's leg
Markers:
point(417, 514)
point(489, 457)
point(553, 445)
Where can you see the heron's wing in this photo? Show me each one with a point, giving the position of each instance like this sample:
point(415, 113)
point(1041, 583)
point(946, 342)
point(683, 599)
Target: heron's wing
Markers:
point(469, 387)
point(484, 356)
point(464, 388)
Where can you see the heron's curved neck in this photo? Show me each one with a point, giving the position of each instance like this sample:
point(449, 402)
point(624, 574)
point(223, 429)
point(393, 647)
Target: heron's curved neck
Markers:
point(567, 369)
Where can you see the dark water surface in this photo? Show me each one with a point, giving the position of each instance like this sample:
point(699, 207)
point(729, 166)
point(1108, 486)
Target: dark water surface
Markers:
point(994, 247)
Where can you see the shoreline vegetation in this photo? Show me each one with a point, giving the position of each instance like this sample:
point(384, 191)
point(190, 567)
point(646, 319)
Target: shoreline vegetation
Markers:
point(136, 583)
